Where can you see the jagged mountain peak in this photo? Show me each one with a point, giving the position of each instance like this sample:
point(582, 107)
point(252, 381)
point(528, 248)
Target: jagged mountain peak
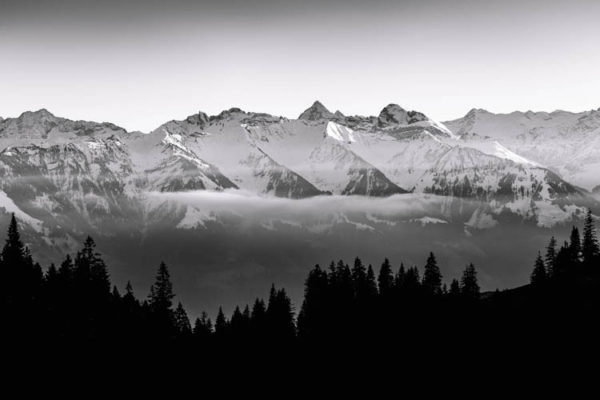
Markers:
point(393, 114)
point(227, 114)
point(37, 116)
point(200, 119)
point(475, 111)
point(315, 112)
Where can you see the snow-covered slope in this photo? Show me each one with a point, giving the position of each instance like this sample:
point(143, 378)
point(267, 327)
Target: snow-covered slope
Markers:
point(567, 143)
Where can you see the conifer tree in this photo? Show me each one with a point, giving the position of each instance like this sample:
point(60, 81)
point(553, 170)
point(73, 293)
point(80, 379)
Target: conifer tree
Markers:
point(359, 278)
point(13, 267)
point(258, 320)
point(13, 250)
point(161, 292)
point(385, 279)
point(538, 275)
point(314, 311)
point(432, 277)
point(590, 248)
point(221, 325)
point(203, 328)
point(469, 286)
point(182, 322)
point(371, 284)
point(236, 324)
point(454, 288)
point(280, 315)
point(160, 302)
point(550, 258)
point(400, 278)
point(575, 245)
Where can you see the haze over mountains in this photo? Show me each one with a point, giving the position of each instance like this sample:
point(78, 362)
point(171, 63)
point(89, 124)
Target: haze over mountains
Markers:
point(210, 175)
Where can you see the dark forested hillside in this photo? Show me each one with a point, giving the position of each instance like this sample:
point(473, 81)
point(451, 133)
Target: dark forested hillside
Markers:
point(345, 306)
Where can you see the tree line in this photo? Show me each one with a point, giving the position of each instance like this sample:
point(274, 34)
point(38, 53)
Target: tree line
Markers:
point(343, 304)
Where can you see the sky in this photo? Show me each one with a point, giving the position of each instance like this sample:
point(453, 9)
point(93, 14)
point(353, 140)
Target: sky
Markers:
point(143, 62)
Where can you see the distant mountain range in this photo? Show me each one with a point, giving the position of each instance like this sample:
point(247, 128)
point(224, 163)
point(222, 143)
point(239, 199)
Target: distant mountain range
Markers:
point(65, 175)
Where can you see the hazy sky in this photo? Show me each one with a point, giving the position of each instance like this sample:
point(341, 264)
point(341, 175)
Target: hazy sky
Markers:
point(140, 63)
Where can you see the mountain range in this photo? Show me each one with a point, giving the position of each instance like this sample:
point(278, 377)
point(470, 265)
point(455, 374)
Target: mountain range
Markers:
point(74, 173)
point(320, 183)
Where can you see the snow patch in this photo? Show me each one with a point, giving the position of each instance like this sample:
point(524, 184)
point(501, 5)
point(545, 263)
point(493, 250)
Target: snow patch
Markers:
point(340, 132)
point(429, 220)
point(10, 207)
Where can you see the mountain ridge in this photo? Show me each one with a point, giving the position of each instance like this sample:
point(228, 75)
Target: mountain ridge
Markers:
point(54, 167)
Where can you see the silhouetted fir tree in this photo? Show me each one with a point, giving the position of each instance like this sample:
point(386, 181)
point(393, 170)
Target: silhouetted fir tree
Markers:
point(236, 323)
point(92, 291)
point(590, 248)
point(182, 322)
point(160, 302)
point(432, 277)
point(342, 296)
point(258, 320)
point(454, 288)
point(13, 250)
point(314, 313)
point(221, 325)
point(52, 278)
point(203, 328)
point(575, 245)
point(385, 279)
point(564, 263)
point(13, 268)
point(469, 287)
point(550, 258)
point(412, 280)
point(247, 322)
point(539, 275)
point(33, 275)
point(280, 316)
point(371, 284)
point(400, 278)
point(359, 278)
point(115, 295)
point(129, 300)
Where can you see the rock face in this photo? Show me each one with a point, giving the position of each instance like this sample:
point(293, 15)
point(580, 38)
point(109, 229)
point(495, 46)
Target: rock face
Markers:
point(317, 112)
point(73, 175)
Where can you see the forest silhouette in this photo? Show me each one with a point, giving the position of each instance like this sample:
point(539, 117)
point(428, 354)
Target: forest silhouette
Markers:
point(345, 307)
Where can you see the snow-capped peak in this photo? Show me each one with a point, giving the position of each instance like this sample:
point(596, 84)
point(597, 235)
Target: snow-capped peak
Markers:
point(316, 112)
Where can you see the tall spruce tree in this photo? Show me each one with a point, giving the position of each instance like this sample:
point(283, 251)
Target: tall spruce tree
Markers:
point(590, 248)
point(538, 275)
point(469, 286)
point(385, 279)
point(575, 245)
point(280, 316)
point(13, 250)
point(314, 311)
point(454, 288)
point(550, 258)
point(432, 277)
point(182, 322)
point(160, 302)
point(203, 328)
point(221, 325)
